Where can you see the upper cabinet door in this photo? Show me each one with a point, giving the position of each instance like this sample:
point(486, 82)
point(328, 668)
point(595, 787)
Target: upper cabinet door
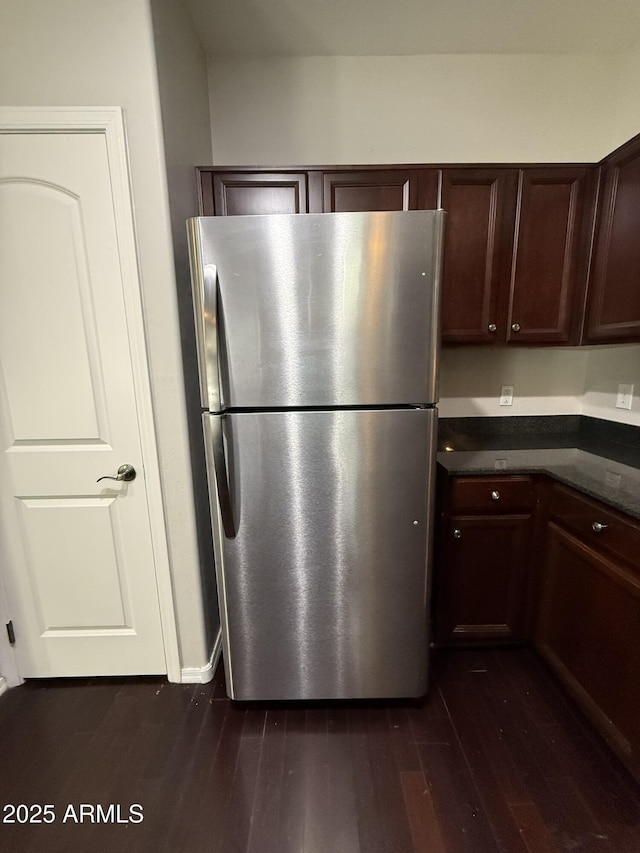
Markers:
point(379, 189)
point(241, 193)
point(479, 205)
point(613, 312)
point(554, 215)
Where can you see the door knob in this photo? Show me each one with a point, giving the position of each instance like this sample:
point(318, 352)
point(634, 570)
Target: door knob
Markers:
point(125, 472)
point(515, 327)
point(492, 327)
point(598, 527)
point(457, 533)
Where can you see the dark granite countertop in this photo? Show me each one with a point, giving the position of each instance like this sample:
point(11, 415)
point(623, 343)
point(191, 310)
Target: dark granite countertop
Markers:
point(599, 458)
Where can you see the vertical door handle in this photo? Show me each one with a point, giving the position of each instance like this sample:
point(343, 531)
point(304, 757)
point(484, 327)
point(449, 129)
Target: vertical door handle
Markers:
point(205, 306)
point(212, 336)
point(222, 476)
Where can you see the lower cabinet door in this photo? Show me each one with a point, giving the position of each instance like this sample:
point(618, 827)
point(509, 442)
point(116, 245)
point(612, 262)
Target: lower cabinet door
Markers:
point(588, 629)
point(483, 577)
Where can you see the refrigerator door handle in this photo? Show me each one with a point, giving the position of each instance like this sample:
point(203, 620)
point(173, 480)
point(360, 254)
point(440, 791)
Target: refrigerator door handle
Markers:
point(222, 476)
point(205, 308)
point(211, 335)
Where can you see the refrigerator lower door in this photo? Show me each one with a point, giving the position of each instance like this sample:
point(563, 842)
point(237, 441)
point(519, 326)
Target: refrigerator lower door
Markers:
point(323, 570)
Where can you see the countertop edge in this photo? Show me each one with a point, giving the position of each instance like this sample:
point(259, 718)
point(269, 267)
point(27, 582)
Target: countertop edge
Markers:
point(610, 482)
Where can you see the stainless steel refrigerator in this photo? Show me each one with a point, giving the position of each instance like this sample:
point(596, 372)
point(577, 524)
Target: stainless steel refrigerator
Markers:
point(318, 341)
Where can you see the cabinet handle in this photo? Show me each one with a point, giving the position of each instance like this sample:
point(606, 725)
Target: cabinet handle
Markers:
point(598, 527)
point(515, 327)
point(495, 496)
point(492, 327)
point(457, 533)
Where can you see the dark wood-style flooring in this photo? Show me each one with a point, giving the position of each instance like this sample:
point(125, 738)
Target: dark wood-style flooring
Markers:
point(496, 759)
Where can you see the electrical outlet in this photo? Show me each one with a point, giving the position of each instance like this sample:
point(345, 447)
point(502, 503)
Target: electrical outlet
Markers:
point(612, 479)
point(625, 396)
point(506, 395)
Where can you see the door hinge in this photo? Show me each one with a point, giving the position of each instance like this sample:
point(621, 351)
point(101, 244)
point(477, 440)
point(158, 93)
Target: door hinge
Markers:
point(11, 633)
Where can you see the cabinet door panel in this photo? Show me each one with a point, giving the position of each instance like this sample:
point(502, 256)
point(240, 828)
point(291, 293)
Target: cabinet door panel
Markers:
point(238, 193)
point(614, 289)
point(482, 578)
point(479, 205)
point(379, 189)
point(588, 631)
point(548, 270)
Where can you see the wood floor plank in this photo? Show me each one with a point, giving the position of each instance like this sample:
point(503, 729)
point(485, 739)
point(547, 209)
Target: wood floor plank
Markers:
point(463, 685)
point(493, 784)
point(461, 816)
point(531, 826)
point(423, 821)
point(264, 828)
point(342, 831)
point(550, 788)
point(403, 742)
point(292, 804)
point(370, 811)
point(608, 794)
point(388, 783)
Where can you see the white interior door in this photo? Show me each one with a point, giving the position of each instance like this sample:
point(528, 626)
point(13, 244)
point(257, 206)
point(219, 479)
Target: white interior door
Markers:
point(79, 567)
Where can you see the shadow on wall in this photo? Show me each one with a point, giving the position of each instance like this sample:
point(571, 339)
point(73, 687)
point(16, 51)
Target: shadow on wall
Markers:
point(279, 116)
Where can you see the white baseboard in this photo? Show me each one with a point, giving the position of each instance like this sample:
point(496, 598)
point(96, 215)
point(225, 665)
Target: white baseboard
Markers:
point(203, 674)
point(3, 685)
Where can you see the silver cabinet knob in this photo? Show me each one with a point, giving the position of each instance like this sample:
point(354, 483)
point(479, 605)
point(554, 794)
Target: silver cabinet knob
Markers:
point(598, 527)
point(495, 496)
point(457, 533)
point(492, 327)
point(125, 472)
point(515, 327)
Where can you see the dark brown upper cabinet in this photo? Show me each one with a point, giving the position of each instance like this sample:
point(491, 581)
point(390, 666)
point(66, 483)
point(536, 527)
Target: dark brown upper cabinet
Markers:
point(516, 254)
point(517, 239)
point(613, 311)
point(551, 241)
point(238, 193)
point(379, 189)
point(480, 206)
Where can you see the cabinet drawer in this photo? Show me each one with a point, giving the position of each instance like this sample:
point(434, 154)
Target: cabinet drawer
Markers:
point(492, 494)
point(596, 525)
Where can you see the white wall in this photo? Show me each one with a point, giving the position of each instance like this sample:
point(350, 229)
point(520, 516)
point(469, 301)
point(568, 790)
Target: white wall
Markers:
point(412, 109)
point(546, 381)
point(91, 52)
point(627, 97)
point(567, 381)
point(606, 368)
point(184, 102)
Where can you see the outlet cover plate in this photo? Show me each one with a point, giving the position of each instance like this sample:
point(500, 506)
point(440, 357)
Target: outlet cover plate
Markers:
point(506, 395)
point(625, 396)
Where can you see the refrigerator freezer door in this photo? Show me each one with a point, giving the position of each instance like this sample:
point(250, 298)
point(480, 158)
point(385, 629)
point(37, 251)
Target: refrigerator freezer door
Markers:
point(324, 585)
point(332, 309)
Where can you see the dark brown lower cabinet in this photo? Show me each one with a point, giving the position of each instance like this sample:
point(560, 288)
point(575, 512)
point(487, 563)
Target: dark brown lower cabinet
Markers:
point(589, 619)
point(483, 588)
point(484, 558)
